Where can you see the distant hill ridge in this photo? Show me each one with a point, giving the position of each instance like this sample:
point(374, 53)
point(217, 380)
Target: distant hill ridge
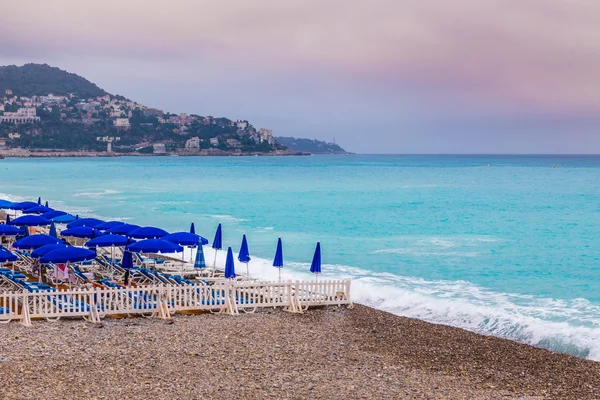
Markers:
point(35, 79)
point(311, 145)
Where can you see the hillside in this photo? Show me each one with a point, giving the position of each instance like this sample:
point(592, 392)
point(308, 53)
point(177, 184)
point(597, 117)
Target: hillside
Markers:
point(311, 145)
point(37, 79)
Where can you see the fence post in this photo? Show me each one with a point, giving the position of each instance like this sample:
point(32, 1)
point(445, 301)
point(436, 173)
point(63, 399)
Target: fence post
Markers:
point(350, 304)
point(25, 319)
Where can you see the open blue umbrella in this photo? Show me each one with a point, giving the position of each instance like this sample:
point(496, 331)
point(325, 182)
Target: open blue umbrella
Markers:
point(244, 254)
point(30, 220)
point(37, 210)
point(192, 228)
point(184, 239)
point(35, 241)
point(81, 232)
point(199, 262)
point(147, 232)
point(108, 240)
point(229, 264)
point(154, 246)
point(315, 266)
point(9, 230)
point(53, 230)
point(53, 213)
point(217, 243)
point(5, 204)
point(127, 261)
point(68, 254)
point(7, 256)
point(64, 219)
point(23, 205)
point(89, 222)
point(108, 225)
point(278, 261)
point(42, 251)
point(122, 229)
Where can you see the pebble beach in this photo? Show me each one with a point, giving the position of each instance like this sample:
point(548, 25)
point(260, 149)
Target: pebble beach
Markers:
point(325, 353)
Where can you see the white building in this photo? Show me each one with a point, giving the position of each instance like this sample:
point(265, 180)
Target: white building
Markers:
point(122, 122)
point(214, 141)
point(22, 115)
point(265, 135)
point(1, 107)
point(159, 148)
point(242, 124)
point(14, 135)
point(193, 143)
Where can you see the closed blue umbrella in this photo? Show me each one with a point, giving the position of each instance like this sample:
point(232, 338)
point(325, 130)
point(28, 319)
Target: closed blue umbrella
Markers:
point(68, 254)
point(229, 265)
point(7, 256)
point(147, 232)
point(127, 261)
point(7, 219)
point(107, 225)
point(217, 243)
point(154, 246)
point(9, 230)
point(30, 220)
point(278, 261)
point(192, 228)
point(42, 251)
point(89, 222)
point(46, 205)
point(244, 254)
point(64, 219)
point(200, 262)
point(40, 201)
point(122, 229)
point(315, 266)
point(23, 205)
point(37, 210)
point(81, 232)
point(52, 230)
point(35, 241)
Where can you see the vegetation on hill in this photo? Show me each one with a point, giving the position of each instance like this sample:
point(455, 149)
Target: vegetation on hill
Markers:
point(41, 79)
point(311, 145)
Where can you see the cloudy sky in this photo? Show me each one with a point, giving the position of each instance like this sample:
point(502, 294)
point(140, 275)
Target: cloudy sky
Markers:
point(381, 76)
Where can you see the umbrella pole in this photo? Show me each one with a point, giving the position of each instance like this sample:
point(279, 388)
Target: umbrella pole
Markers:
point(247, 270)
point(279, 273)
point(112, 260)
point(215, 262)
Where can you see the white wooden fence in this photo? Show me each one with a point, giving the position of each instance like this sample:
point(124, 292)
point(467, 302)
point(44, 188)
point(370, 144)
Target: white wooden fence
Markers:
point(162, 300)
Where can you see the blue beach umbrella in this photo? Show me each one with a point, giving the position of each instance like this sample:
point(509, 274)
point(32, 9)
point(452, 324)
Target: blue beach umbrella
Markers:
point(46, 205)
point(53, 213)
point(315, 266)
point(229, 265)
point(217, 243)
point(108, 240)
point(30, 220)
point(127, 261)
point(192, 228)
point(7, 219)
point(64, 219)
point(244, 254)
point(68, 254)
point(200, 263)
point(81, 232)
point(35, 241)
point(154, 246)
point(40, 201)
point(37, 210)
point(107, 225)
point(42, 251)
point(9, 230)
point(278, 261)
point(23, 205)
point(89, 222)
point(7, 256)
point(5, 204)
point(122, 229)
point(147, 232)
point(185, 239)
point(53, 230)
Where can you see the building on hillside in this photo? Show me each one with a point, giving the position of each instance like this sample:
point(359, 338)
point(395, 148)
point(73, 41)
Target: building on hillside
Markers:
point(8, 92)
point(23, 115)
point(159, 148)
point(2, 143)
point(265, 135)
point(214, 141)
point(122, 123)
point(241, 124)
point(193, 143)
point(153, 112)
point(233, 142)
point(14, 135)
point(1, 107)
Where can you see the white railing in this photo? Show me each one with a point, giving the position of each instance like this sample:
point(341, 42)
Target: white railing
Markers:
point(162, 300)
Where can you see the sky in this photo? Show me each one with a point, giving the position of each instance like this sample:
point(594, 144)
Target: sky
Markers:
point(379, 76)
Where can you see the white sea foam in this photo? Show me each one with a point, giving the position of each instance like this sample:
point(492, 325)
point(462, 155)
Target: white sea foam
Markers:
point(97, 194)
point(225, 218)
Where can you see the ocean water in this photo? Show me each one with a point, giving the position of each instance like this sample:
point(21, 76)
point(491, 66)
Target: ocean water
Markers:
point(511, 249)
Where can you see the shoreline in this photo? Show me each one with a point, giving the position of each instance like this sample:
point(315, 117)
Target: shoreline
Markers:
point(202, 153)
point(324, 353)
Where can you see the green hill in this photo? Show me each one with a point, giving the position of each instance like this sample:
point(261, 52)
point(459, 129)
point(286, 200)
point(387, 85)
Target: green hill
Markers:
point(41, 79)
point(311, 145)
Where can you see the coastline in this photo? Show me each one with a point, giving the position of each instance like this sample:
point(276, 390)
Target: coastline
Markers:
point(323, 353)
point(201, 153)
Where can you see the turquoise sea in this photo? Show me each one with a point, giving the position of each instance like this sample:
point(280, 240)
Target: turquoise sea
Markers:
point(511, 249)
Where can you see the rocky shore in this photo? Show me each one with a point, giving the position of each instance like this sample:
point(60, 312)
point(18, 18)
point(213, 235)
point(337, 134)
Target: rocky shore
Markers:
point(329, 353)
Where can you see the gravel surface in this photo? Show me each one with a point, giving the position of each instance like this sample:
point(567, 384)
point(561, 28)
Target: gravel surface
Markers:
point(325, 353)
